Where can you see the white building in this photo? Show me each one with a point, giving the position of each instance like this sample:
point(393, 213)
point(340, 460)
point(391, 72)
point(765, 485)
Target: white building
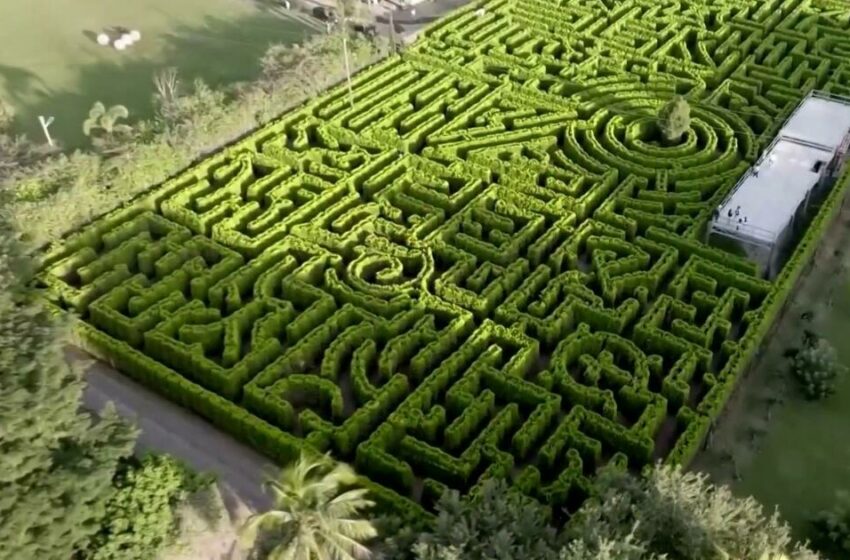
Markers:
point(760, 216)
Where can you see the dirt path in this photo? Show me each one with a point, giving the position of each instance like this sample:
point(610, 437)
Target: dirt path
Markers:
point(165, 427)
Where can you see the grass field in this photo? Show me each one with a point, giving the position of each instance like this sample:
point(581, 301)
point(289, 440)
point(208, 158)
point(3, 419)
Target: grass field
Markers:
point(802, 457)
point(50, 63)
point(805, 458)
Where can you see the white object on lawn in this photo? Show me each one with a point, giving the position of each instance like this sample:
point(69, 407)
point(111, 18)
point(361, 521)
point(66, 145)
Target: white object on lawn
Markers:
point(135, 35)
point(120, 44)
point(44, 124)
point(103, 39)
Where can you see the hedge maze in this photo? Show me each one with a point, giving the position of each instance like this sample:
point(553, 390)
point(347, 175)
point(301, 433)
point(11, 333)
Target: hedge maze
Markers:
point(481, 264)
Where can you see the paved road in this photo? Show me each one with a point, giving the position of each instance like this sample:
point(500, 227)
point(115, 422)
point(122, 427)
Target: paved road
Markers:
point(408, 23)
point(166, 427)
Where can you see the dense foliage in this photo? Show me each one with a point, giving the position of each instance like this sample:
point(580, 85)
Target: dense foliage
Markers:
point(666, 514)
point(817, 369)
point(674, 119)
point(56, 462)
point(682, 515)
point(141, 518)
point(832, 527)
point(494, 523)
point(476, 260)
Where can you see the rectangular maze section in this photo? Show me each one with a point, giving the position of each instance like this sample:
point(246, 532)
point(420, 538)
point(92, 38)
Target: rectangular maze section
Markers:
point(483, 264)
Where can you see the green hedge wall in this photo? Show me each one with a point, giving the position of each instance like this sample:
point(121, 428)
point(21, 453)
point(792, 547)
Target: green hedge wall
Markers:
point(483, 262)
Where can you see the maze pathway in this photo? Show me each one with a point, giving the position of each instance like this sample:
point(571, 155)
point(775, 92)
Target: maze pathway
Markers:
point(482, 263)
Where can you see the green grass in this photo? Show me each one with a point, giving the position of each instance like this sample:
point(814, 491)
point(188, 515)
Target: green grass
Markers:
point(50, 63)
point(805, 456)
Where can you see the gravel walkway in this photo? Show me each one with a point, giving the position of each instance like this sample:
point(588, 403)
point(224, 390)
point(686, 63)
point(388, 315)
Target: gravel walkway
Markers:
point(165, 427)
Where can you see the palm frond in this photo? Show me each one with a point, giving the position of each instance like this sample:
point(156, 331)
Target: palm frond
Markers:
point(357, 529)
point(250, 531)
point(122, 128)
point(348, 503)
point(319, 521)
point(118, 112)
point(88, 125)
point(345, 548)
point(97, 110)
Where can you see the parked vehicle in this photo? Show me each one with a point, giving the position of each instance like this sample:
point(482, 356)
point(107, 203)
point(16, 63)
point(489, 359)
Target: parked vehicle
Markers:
point(325, 13)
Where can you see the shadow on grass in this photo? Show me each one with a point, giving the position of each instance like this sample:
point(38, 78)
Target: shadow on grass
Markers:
point(20, 84)
point(90, 35)
point(219, 51)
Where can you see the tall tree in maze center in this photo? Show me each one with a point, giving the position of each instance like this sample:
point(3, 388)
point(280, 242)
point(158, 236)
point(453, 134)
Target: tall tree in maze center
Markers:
point(674, 119)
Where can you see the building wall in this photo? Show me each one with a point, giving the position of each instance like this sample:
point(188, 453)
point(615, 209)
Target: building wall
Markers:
point(761, 254)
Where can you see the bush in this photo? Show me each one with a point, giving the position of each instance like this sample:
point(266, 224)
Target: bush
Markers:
point(495, 523)
point(817, 370)
point(140, 518)
point(831, 527)
point(683, 516)
point(674, 119)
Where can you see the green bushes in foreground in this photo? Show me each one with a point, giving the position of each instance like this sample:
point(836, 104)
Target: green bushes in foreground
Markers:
point(56, 462)
point(316, 241)
point(141, 518)
point(665, 514)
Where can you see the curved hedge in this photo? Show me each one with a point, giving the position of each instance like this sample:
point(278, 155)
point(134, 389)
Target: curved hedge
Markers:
point(487, 266)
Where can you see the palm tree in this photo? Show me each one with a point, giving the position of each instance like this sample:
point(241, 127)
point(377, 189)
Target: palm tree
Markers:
point(311, 519)
point(106, 119)
point(107, 134)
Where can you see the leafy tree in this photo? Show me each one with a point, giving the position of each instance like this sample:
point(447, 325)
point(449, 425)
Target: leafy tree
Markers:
point(665, 515)
point(682, 515)
point(352, 10)
point(832, 526)
point(496, 523)
point(181, 116)
point(297, 64)
point(628, 548)
point(16, 151)
point(102, 126)
point(674, 119)
point(817, 369)
point(56, 463)
point(141, 517)
point(314, 516)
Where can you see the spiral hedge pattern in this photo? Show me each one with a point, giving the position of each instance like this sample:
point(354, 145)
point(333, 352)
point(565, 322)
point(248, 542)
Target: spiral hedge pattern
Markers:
point(487, 266)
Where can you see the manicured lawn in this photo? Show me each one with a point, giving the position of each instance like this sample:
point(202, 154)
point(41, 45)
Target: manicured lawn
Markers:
point(50, 63)
point(805, 456)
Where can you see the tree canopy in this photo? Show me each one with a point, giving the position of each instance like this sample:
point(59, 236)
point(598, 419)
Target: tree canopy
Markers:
point(668, 514)
point(674, 119)
point(56, 462)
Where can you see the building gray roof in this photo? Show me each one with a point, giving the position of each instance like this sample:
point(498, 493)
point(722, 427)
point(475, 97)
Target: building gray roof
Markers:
point(766, 198)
